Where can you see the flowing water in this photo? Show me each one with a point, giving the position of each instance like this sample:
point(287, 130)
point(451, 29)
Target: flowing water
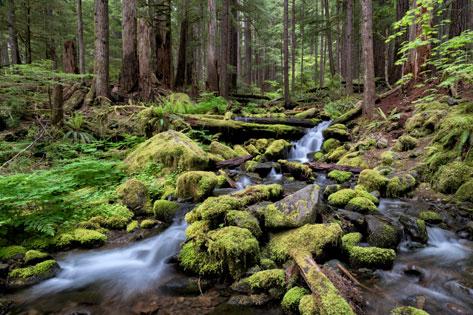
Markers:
point(274, 176)
point(243, 182)
point(311, 142)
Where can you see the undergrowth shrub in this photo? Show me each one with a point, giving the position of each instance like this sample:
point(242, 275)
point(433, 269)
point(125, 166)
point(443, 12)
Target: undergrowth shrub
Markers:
point(338, 107)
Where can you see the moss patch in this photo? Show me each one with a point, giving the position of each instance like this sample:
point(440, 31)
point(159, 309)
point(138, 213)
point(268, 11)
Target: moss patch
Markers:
point(134, 194)
point(399, 186)
point(224, 151)
point(405, 143)
point(451, 176)
point(81, 238)
point(372, 180)
point(198, 261)
point(290, 301)
point(265, 280)
point(368, 257)
point(407, 310)
point(10, 252)
point(430, 217)
point(39, 270)
point(362, 205)
point(330, 144)
point(35, 256)
point(341, 198)
point(132, 226)
point(340, 176)
point(245, 220)
point(165, 210)
point(196, 185)
point(465, 192)
point(307, 305)
point(277, 149)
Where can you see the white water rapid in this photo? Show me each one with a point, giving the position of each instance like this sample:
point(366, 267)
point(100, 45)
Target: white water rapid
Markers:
point(311, 142)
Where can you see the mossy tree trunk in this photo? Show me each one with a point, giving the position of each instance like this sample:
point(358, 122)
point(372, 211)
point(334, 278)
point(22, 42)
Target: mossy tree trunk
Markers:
point(101, 66)
point(129, 71)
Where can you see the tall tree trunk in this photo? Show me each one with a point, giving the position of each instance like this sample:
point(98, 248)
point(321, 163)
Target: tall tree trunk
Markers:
point(233, 45)
point(146, 59)
point(349, 47)
point(460, 17)
point(212, 67)
point(129, 71)
point(302, 21)
point(80, 36)
point(369, 93)
point(286, 52)
point(329, 42)
point(4, 58)
point(164, 43)
point(293, 45)
point(224, 49)
point(13, 35)
point(101, 65)
point(323, 44)
point(182, 55)
point(28, 51)
point(402, 6)
point(248, 50)
point(69, 57)
point(50, 44)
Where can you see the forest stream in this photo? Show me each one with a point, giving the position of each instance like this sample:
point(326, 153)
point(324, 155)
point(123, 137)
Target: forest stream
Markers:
point(143, 277)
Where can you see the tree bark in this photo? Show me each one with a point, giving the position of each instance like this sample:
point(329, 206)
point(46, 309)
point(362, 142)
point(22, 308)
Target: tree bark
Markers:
point(349, 47)
point(182, 55)
point(329, 42)
point(224, 49)
point(57, 109)
point(129, 71)
point(28, 51)
point(248, 50)
point(302, 21)
point(4, 58)
point(402, 6)
point(233, 45)
point(146, 59)
point(164, 43)
point(212, 67)
point(369, 93)
point(460, 16)
point(13, 35)
point(80, 36)
point(50, 44)
point(286, 52)
point(322, 62)
point(293, 46)
point(101, 66)
point(69, 57)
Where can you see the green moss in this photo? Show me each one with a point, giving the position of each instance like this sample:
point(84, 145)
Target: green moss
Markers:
point(341, 198)
point(399, 186)
point(195, 260)
point(353, 159)
point(35, 256)
point(258, 193)
point(308, 113)
point(265, 280)
point(318, 156)
point(290, 301)
point(132, 226)
point(340, 176)
point(336, 154)
point(298, 170)
point(408, 310)
point(362, 192)
point(385, 236)
point(405, 143)
point(277, 149)
point(252, 149)
point(368, 257)
point(224, 151)
point(362, 205)
point(198, 230)
point(214, 209)
point(387, 158)
point(266, 263)
point(422, 228)
point(464, 193)
point(351, 239)
point(307, 305)
point(80, 237)
point(250, 166)
point(337, 131)
point(148, 223)
point(134, 194)
point(245, 220)
point(262, 144)
point(113, 222)
point(165, 210)
point(275, 219)
point(172, 149)
point(39, 270)
point(451, 176)
point(430, 217)
point(240, 150)
point(313, 238)
point(330, 144)
point(10, 252)
point(372, 180)
point(196, 185)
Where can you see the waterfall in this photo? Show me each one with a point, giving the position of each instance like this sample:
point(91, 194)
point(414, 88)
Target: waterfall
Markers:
point(309, 143)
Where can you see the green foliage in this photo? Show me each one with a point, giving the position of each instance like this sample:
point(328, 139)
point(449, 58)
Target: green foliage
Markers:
point(75, 133)
point(336, 108)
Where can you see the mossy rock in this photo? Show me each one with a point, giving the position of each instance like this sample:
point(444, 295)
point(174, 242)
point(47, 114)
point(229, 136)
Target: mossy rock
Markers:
point(362, 192)
point(399, 186)
point(262, 144)
point(101, 223)
point(290, 301)
point(172, 149)
point(387, 158)
point(337, 131)
point(224, 151)
point(318, 156)
point(430, 217)
point(134, 194)
point(314, 238)
point(307, 305)
point(132, 226)
point(341, 198)
point(258, 193)
point(195, 259)
point(262, 281)
point(353, 159)
point(308, 113)
point(198, 230)
point(362, 205)
point(372, 180)
point(465, 192)
point(405, 143)
point(367, 257)
point(340, 176)
point(196, 185)
point(245, 220)
point(408, 310)
point(336, 154)
point(165, 210)
point(240, 150)
point(382, 233)
point(416, 228)
point(80, 238)
point(277, 149)
point(33, 257)
point(330, 144)
point(251, 148)
point(214, 209)
point(27, 276)
point(300, 171)
point(266, 263)
point(12, 252)
point(149, 223)
point(450, 177)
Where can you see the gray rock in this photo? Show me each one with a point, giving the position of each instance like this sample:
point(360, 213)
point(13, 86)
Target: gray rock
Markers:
point(301, 206)
point(382, 143)
point(451, 101)
point(263, 169)
point(382, 233)
point(250, 300)
point(417, 231)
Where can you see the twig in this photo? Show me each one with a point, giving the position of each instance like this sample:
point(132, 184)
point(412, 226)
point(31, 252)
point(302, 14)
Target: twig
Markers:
point(200, 288)
point(25, 149)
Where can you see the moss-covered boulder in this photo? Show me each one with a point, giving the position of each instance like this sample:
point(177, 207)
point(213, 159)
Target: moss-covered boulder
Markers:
point(313, 238)
point(451, 176)
point(340, 176)
point(381, 233)
point(372, 180)
point(257, 193)
point(408, 310)
point(330, 144)
point(172, 149)
point(290, 301)
point(307, 305)
point(262, 281)
point(134, 194)
point(277, 149)
point(165, 210)
point(196, 185)
point(245, 220)
point(224, 151)
point(80, 238)
point(214, 209)
point(367, 257)
point(362, 192)
point(240, 150)
point(415, 228)
point(132, 226)
point(353, 159)
point(12, 252)
point(341, 198)
point(336, 154)
point(430, 217)
point(337, 131)
point(298, 170)
point(149, 224)
point(361, 205)
point(405, 143)
point(195, 259)
point(465, 192)
point(387, 158)
point(399, 186)
point(27, 276)
point(33, 257)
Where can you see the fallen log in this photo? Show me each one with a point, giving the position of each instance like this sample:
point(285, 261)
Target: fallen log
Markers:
point(319, 166)
point(235, 162)
point(306, 123)
point(251, 96)
point(350, 115)
point(326, 296)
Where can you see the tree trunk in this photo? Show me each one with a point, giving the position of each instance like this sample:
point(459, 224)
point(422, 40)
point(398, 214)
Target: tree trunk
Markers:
point(101, 66)
point(349, 47)
point(460, 16)
point(129, 72)
point(182, 55)
point(233, 45)
point(50, 44)
point(369, 93)
point(57, 109)
point(4, 59)
point(322, 62)
point(329, 42)
point(80, 36)
point(212, 67)
point(69, 57)
point(164, 43)
point(402, 6)
point(302, 41)
point(28, 51)
point(13, 35)
point(293, 45)
point(146, 59)
point(224, 49)
point(248, 50)
point(286, 52)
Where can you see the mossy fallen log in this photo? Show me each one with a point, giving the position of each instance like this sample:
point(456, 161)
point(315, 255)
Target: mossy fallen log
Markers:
point(235, 162)
point(306, 123)
point(318, 166)
point(238, 131)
